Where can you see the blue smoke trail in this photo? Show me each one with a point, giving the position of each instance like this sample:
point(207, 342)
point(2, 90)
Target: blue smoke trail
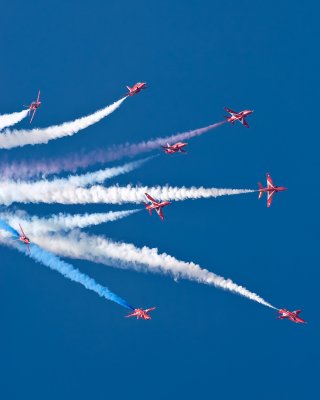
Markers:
point(67, 270)
point(8, 228)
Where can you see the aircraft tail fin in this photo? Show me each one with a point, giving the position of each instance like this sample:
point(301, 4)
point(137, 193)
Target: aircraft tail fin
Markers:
point(129, 88)
point(148, 209)
point(260, 187)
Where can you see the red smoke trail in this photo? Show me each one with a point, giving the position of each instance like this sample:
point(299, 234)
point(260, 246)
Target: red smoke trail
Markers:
point(73, 162)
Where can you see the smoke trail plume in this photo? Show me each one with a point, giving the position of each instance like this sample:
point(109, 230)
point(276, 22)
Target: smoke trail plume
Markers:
point(85, 179)
point(18, 138)
point(61, 222)
point(72, 162)
point(97, 249)
point(101, 175)
point(68, 271)
point(42, 192)
point(7, 120)
point(6, 227)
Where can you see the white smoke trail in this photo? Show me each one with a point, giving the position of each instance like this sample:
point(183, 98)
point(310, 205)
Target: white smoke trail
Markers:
point(86, 179)
point(42, 192)
point(19, 138)
point(7, 120)
point(101, 175)
point(61, 222)
point(79, 245)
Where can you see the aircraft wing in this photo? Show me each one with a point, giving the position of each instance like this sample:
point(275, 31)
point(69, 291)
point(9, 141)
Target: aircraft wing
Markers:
point(150, 198)
point(38, 96)
point(297, 312)
point(270, 198)
point(149, 309)
point(148, 207)
point(131, 315)
point(34, 111)
point(244, 122)
point(160, 213)
point(29, 248)
point(269, 181)
point(22, 230)
point(229, 110)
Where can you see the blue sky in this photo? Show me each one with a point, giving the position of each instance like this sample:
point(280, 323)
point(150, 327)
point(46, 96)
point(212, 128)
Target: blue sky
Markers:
point(61, 341)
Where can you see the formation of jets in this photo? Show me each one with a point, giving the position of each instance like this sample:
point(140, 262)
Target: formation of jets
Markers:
point(153, 204)
point(33, 107)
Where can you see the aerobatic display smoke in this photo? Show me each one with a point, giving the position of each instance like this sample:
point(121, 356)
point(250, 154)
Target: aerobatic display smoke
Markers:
point(43, 192)
point(7, 120)
point(62, 222)
point(97, 249)
point(18, 138)
point(6, 227)
point(60, 235)
point(67, 270)
point(87, 179)
point(72, 162)
point(101, 175)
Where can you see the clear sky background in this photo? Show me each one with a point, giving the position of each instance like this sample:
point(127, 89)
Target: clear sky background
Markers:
point(60, 341)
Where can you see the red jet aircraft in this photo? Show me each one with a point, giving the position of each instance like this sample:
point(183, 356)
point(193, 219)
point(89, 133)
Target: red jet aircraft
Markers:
point(271, 189)
point(140, 313)
point(175, 148)
point(136, 88)
point(238, 116)
point(291, 315)
point(24, 239)
point(155, 205)
point(34, 106)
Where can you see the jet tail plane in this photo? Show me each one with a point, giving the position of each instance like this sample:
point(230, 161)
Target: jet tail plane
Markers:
point(260, 187)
